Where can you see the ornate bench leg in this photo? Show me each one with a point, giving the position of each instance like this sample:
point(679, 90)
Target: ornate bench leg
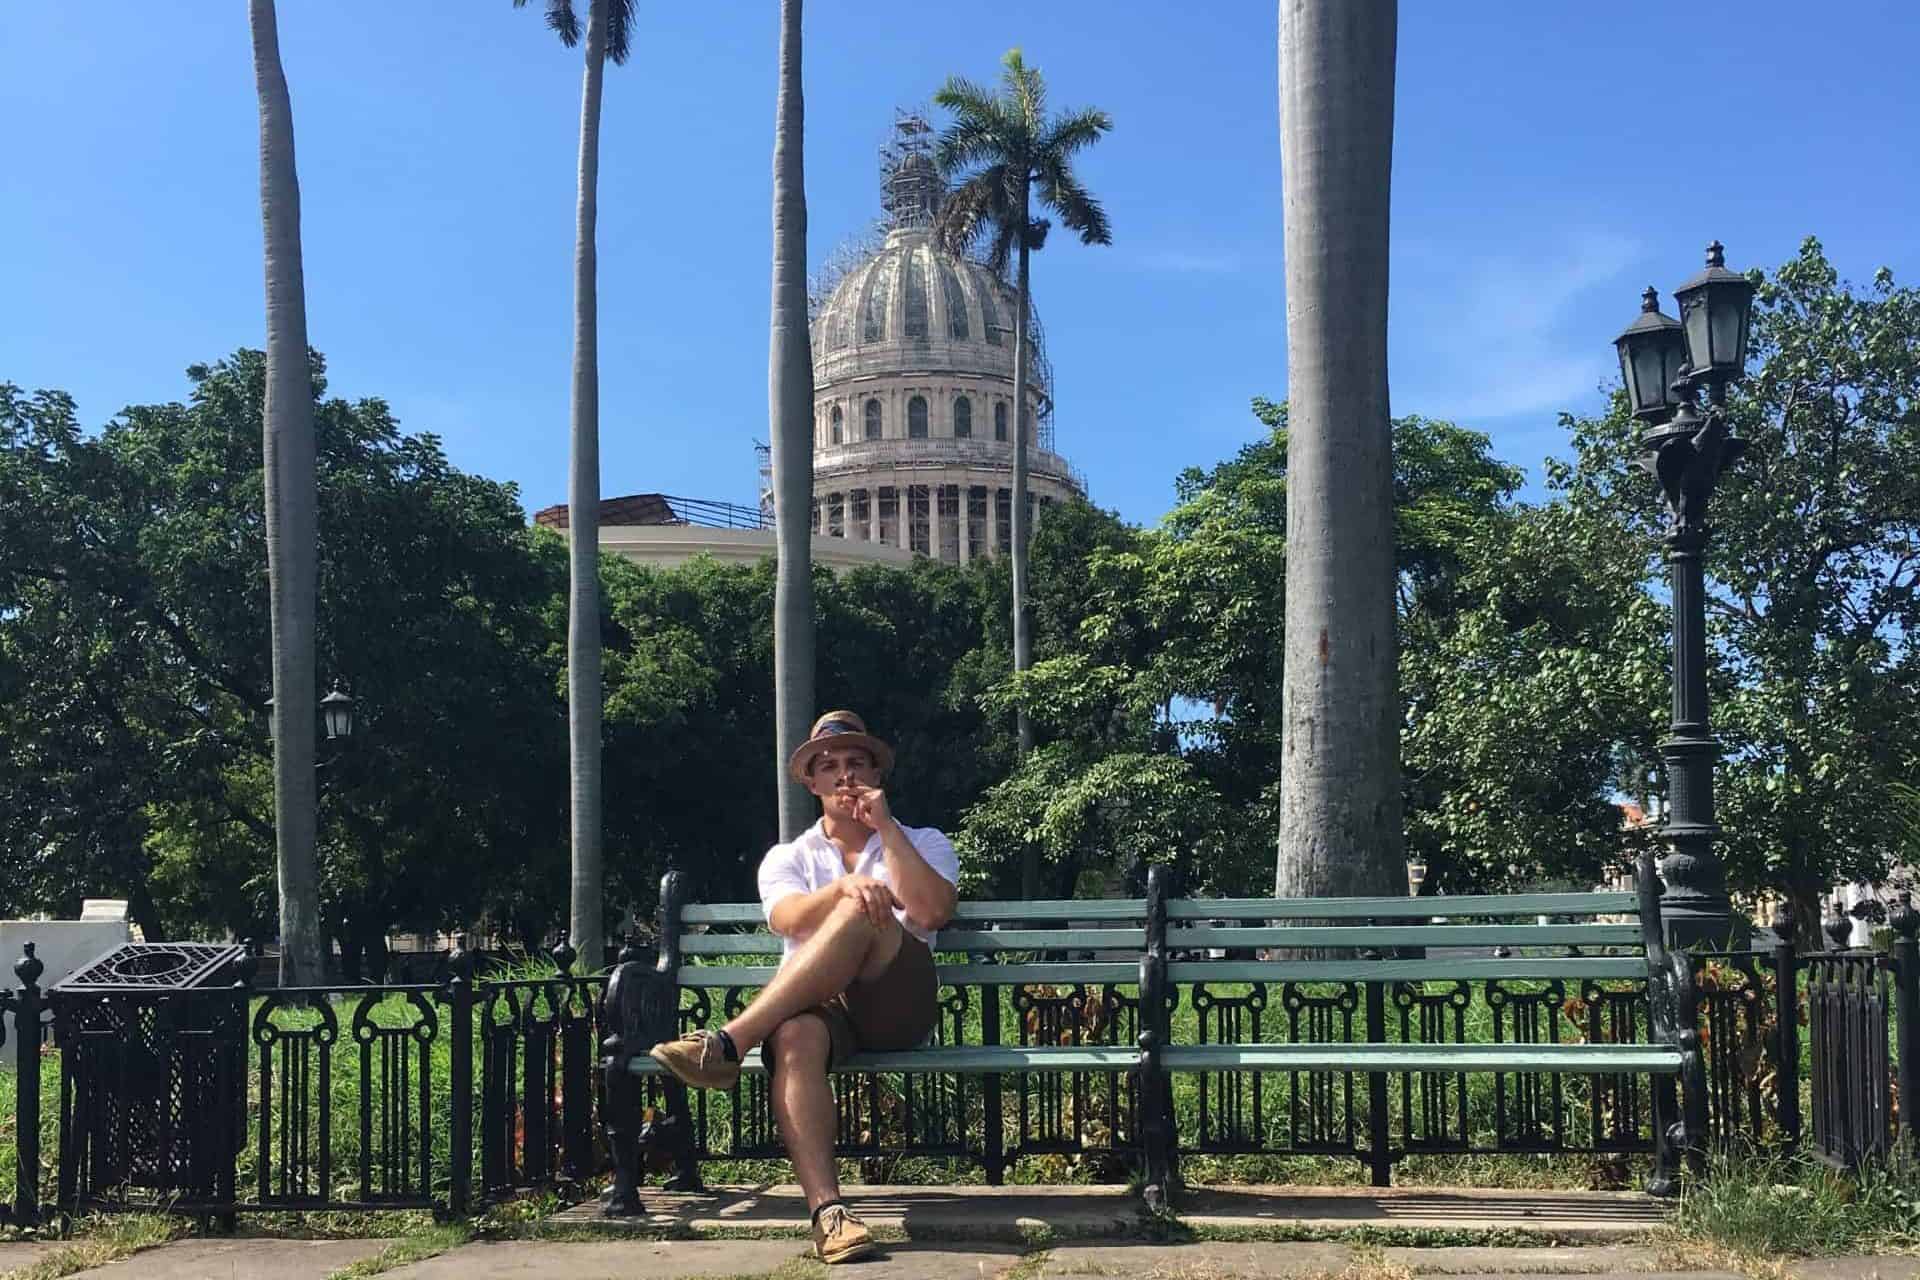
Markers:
point(1668, 1139)
point(1156, 1125)
point(622, 1123)
point(677, 1135)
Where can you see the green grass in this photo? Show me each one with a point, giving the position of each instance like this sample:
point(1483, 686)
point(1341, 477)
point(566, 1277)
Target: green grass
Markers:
point(417, 1245)
point(100, 1240)
point(1770, 1207)
point(10, 1118)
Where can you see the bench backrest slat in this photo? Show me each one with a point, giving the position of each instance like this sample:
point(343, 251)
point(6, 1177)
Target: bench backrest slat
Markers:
point(956, 941)
point(1406, 970)
point(1407, 935)
point(1465, 906)
point(1094, 909)
point(953, 975)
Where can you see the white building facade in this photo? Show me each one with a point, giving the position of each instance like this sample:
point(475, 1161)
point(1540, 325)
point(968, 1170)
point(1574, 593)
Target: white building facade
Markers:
point(914, 395)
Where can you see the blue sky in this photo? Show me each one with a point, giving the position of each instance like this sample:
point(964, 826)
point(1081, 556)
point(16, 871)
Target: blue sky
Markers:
point(1550, 161)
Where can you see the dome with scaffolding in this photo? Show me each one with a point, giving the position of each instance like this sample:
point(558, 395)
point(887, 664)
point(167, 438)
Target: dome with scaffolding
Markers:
point(914, 383)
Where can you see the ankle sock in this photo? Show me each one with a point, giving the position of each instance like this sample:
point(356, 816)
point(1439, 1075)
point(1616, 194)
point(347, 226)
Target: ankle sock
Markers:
point(728, 1049)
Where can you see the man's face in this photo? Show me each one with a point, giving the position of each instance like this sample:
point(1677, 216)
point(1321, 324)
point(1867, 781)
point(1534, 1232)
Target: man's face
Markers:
point(836, 772)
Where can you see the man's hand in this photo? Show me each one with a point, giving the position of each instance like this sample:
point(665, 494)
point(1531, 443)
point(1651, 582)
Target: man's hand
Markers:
point(870, 808)
point(874, 897)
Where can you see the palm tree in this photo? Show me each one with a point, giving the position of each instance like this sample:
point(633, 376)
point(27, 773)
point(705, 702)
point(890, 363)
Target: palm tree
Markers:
point(609, 25)
point(790, 413)
point(1000, 152)
point(1340, 806)
point(292, 547)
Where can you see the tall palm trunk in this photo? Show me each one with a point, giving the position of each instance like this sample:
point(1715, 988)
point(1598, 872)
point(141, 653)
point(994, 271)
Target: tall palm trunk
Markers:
point(790, 409)
point(1340, 805)
point(1022, 633)
point(292, 550)
point(583, 520)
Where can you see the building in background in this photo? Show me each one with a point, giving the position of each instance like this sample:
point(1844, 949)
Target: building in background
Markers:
point(913, 386)
point(913, 396)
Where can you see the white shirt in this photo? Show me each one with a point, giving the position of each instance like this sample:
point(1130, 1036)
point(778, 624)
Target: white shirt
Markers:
point(812, 861)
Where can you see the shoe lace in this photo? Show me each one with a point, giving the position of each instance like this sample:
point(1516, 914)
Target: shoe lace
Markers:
point(832, 1218)
point(709, 1047)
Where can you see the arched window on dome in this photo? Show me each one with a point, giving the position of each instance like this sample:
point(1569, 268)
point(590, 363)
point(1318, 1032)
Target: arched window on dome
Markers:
point(873, 419)
point(838, 427)
point(1000, 422)
point(917, 418)
point(962, 417)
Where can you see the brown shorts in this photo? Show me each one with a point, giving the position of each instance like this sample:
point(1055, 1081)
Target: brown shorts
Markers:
point(897, 1010)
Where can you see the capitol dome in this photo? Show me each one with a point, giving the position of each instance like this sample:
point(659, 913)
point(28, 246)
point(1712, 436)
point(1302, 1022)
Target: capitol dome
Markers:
point(914, 387)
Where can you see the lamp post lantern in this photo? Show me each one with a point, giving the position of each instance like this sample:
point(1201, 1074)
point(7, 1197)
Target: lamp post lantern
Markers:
point(336, 711)
point(1666, 363)
point(1416, 876)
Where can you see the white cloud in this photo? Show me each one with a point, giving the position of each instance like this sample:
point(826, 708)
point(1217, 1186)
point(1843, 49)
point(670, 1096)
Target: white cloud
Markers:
point(1492, 336)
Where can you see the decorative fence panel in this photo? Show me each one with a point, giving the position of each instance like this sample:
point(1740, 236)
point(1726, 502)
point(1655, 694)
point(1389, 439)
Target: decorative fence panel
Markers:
point(222, 1100)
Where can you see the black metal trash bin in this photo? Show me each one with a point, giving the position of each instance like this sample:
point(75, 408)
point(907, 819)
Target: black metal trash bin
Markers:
point(153, 1073)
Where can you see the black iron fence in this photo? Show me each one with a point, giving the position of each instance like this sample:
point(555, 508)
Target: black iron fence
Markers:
point(223, 1099)
point(220, 1099)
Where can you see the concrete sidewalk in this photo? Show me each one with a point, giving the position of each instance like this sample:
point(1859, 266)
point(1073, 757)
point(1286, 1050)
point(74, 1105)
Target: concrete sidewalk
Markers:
point(263, 1259)
point(1016, 1214)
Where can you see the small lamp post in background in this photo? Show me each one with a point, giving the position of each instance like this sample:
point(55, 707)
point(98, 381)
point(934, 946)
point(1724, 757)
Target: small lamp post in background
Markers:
point(336, 712)
point(1666, 363)
point(1416, 876)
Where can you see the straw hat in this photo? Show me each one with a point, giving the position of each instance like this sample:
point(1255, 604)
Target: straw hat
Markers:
point(838, 729)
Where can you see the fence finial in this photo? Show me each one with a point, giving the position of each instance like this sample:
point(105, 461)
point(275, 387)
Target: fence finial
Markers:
point(29, 967)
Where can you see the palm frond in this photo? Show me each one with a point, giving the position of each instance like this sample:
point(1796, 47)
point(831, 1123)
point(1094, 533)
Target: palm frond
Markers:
point(1026, 91)
point(1060, 190)
point(1074, 131)
point(965, 99)
point(970, 210)
point(619, 29)
point(561, 20)
point(969, 143)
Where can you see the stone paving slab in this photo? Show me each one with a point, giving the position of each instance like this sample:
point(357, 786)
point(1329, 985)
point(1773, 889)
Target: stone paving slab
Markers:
point(1641, 1275)
point(1571, 1260)
point(17, 1254)
point(1202, 1260)
point(685, 1259)
point(1571, 1216)
point(1010, 1214)
point(238, 1260)
point(1857, 1269)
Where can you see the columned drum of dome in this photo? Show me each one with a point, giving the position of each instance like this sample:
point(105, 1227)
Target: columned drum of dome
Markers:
point(914, 345)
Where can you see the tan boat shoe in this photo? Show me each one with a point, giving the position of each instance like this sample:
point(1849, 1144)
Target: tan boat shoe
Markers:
point(838, 1236)
point(697, 1061)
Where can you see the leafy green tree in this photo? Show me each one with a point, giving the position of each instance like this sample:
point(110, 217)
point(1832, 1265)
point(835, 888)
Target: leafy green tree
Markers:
point(1001, 152)
point(1813, 569)
point(1340, 829)
point(609, 30)
point(291, 542)
point(137, 759)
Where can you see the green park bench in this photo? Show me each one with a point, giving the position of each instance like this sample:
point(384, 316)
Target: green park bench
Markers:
point(995, 955)
point(986, 949)
point(1372, 952)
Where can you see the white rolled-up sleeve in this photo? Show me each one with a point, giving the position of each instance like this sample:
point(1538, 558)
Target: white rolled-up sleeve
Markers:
point(937, 852)
point(781, 876)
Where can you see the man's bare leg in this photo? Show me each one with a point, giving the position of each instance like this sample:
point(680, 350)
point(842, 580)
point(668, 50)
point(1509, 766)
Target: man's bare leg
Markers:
point(803, 1104)
point(846, 948)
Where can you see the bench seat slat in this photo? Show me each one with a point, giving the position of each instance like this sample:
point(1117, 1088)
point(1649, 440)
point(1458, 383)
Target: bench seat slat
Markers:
point(1571, 1059)
point(966, 1059)
point(1408, 935)
point(953, 975)
point(950, 941)
point(1467, 905)
point(1406, 970)
point(1134, 909)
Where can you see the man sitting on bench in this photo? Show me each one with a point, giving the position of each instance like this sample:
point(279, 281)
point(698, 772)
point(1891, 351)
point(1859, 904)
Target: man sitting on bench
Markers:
point(856, 899)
